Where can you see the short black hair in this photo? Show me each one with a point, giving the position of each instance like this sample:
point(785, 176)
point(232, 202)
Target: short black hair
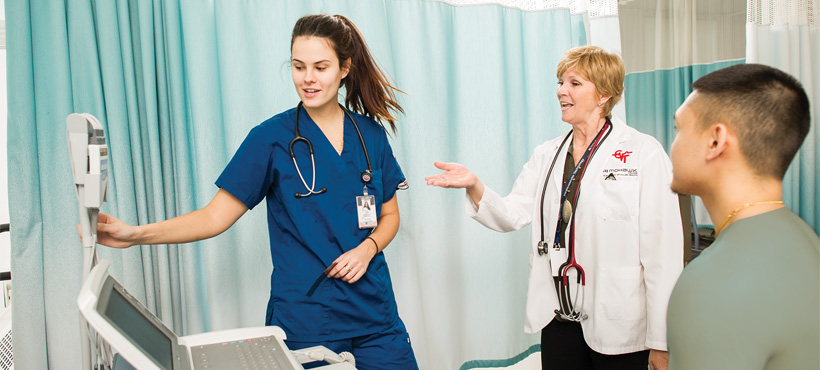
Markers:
point(766, 107)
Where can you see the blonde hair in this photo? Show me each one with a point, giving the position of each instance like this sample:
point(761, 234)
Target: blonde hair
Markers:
point(605, 70)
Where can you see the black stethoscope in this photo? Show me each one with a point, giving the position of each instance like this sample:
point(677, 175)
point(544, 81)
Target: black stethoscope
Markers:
point(568, 311)
point(367, 175)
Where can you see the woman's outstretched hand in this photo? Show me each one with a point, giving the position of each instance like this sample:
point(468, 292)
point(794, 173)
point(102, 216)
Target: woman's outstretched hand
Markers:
point(114, 233)
point(456, 176)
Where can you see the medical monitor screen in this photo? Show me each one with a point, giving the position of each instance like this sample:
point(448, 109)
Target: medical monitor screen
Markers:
point(138, 328)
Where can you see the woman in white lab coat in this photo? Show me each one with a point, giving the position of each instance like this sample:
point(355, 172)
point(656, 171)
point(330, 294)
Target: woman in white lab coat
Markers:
point(621, 226)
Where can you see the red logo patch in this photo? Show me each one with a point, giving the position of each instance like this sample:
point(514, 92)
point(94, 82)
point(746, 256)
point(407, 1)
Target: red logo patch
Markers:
point(621, 155)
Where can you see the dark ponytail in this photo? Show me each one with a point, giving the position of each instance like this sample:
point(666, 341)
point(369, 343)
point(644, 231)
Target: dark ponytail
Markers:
point(368, 90)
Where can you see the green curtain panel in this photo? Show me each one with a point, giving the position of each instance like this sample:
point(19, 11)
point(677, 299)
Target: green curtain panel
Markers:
point(178, 84)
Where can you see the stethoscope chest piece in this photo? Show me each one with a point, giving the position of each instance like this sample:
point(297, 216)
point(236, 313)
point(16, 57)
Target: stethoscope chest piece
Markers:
point(542, 248)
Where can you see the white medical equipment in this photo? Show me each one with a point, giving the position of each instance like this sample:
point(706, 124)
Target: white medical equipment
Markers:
point(123, 325)
point(89, 166)
point(6, 342)
point(140, 338)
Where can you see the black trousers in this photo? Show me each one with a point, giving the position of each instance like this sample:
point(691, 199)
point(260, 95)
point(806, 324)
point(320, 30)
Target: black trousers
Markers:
point(563, 348)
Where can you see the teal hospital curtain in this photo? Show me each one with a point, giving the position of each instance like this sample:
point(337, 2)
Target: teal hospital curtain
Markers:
point(178, 84)
point(786, 35)
point(668, 45)
point(654, 96)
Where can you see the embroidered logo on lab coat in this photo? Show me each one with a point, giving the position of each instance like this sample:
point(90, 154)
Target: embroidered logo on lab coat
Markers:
point(621, 155)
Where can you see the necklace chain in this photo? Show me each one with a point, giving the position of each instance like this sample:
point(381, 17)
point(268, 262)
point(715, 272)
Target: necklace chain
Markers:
point(738, 209)
point(341, 146)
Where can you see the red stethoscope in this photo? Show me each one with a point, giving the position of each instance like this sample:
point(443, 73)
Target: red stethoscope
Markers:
point(568, 310)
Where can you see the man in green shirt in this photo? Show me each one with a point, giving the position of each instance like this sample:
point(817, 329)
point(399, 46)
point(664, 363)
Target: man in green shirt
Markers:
point(751, 300)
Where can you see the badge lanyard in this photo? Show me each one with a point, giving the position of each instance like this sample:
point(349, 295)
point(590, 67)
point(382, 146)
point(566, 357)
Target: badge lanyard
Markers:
point(542, 244)
point(570, 308)
point(564, 209)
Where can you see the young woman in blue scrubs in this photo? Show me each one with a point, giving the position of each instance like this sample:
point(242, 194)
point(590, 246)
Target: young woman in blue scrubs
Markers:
point(315, 198)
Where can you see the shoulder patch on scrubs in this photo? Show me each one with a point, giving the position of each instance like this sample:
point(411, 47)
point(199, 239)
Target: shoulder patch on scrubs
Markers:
point(403, 185)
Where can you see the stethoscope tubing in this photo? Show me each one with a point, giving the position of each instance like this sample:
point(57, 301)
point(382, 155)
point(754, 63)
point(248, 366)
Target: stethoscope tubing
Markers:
point(542, 247)
point(544, 188)
point(366, 176)
point(566, 302)
point(571, 263)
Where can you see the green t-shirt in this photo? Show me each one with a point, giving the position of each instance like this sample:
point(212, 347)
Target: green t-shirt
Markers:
point(751, 300)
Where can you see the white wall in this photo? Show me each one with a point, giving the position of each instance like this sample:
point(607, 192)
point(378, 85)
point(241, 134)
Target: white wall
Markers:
point(5, 256)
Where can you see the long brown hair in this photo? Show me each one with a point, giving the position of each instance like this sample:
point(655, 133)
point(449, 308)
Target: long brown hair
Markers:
point(368, 90)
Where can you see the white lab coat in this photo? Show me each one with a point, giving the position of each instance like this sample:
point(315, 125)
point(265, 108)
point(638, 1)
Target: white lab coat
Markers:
point(629, 238)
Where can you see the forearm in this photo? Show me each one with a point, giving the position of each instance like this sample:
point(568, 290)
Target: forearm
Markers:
point(658, 360)
point(351, 265)
point(501, 214)
point(190, 227)
point(222, 212)
point(476, 192)
point(384, 233)
point(387, 228)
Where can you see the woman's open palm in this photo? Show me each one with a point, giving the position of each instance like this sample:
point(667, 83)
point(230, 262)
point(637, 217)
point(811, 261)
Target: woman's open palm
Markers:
point(456, 176)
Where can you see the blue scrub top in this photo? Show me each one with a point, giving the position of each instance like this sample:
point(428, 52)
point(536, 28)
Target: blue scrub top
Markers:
point(308, 234)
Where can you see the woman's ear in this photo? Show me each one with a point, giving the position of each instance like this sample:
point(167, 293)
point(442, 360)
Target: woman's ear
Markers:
point(345, 67)
point(603, 99)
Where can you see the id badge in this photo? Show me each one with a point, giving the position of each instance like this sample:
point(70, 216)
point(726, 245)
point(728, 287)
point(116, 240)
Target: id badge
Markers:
point(558, 256)
point(366, 209)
